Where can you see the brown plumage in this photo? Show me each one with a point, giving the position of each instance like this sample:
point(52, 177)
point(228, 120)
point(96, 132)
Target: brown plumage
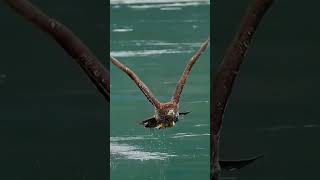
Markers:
point(166, 114)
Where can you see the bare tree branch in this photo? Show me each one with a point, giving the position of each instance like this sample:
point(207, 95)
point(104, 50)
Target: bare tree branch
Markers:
point(183, 78)
point(144, 89)
point(97, 73)
point(224, 79)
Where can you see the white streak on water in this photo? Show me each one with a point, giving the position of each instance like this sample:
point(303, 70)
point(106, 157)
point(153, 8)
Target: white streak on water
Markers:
point(196, 102)
point(166, 5)
point(122, 150)
point(130, 138)
point(172, 48)
point(190, 20)
point(183, 135)
point(122, 30)
point(201, 125)
point(162, 4)
point(127, 151)
point(168, 82)
point(170, 8)
point(163, 43)
point(155, 1)
point(147, 52)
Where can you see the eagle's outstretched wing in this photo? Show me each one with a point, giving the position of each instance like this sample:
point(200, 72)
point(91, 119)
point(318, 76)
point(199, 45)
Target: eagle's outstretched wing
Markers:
point(144, 89)
point(176, 96)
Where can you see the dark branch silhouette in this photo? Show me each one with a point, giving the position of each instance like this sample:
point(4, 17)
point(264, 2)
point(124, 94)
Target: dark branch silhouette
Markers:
point(97, 73)
point(166, 114)
point(223, 80)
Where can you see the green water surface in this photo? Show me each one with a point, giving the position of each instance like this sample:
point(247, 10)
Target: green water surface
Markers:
point(156, 44)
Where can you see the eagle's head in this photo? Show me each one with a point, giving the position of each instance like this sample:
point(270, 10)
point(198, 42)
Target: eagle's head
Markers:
point(168, 119)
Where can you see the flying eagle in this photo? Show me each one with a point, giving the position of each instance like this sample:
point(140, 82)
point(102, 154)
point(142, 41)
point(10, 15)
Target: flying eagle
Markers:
point(166, 114)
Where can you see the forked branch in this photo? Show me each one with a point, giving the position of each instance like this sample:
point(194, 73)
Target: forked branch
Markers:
point(97, 73)
point(224, 79)
point(144, 89)
point(183, 78)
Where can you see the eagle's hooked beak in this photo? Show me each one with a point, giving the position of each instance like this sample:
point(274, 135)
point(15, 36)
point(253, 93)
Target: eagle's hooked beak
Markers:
point(171, 113)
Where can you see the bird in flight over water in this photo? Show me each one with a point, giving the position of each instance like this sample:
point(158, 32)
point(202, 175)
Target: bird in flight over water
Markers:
point(166, 114)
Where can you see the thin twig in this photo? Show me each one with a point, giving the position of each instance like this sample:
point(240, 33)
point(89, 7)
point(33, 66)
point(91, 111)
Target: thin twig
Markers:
point(224, 79)
point(97, 73)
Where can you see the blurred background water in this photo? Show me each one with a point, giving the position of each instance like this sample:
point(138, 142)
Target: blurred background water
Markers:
point(53, 121)
point(273, 109)
point(156, 39)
